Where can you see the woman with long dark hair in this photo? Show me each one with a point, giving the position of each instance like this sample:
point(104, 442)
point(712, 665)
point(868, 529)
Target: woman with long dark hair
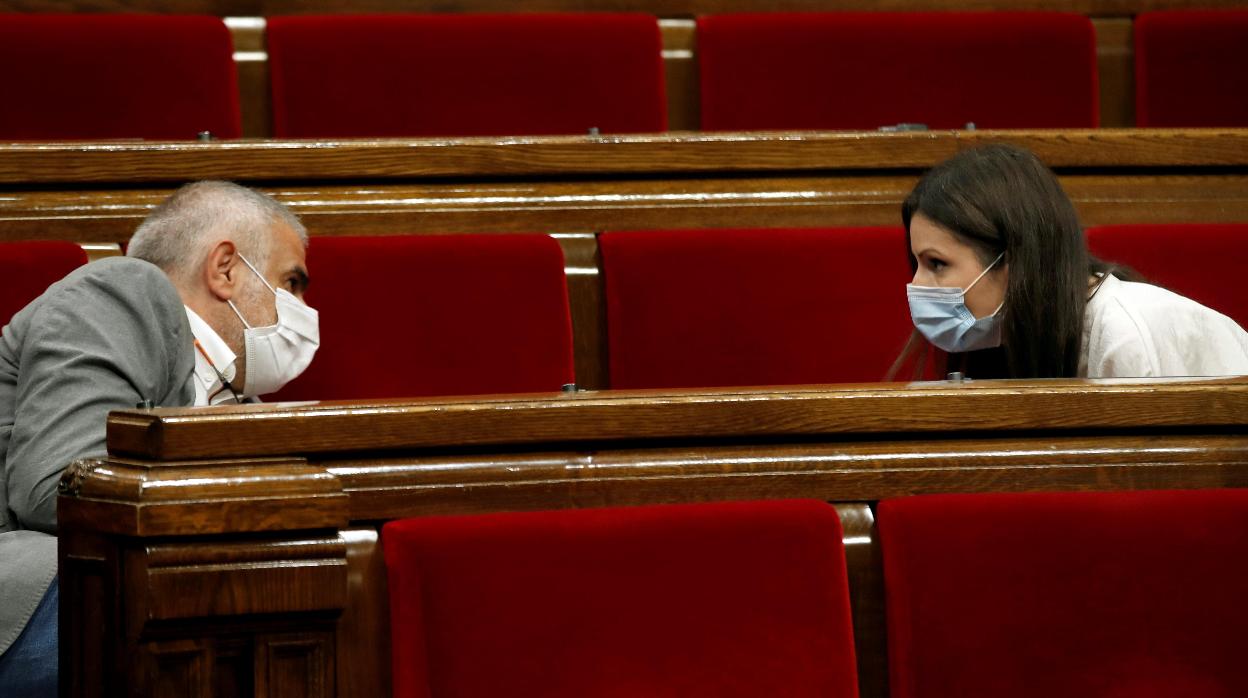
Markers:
point(1003, 283)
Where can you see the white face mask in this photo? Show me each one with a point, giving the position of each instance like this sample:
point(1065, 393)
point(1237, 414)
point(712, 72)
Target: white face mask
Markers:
point(277, 354)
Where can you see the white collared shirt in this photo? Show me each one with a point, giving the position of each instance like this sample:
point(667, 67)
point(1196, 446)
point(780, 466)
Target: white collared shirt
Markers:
point(1139, 330)
point(208, 387)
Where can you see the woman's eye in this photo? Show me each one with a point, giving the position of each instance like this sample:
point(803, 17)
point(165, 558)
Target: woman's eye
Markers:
point(936, 264)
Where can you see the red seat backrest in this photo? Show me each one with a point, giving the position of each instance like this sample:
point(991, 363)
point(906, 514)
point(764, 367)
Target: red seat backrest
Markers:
point(1135, 594)
point(1191, 68)
point(1206, 262)
point(407, 316)
point(117, 76)
point(865, 70)
point(700, 308)
point(728, 599)
point(27, 269)
point(465, 75)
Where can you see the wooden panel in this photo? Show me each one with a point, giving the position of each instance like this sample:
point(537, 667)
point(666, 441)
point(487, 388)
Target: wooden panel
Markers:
point(843, 471)
point(274, 160)
point(1115, 62)
point(587, 417)
point(654, 154)
point(130, 497)
point(295, 665)
point(622, 205)
point(587, 301)
point(680, 69)
point(364, 631)
point(88, 568)
point(179, 668)
point(200, 579)
point(864, 566)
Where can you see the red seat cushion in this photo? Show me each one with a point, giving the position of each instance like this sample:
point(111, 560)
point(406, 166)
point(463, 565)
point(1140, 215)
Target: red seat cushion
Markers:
point(27, 269)
point(698, 308)
point(1205, 262)
point(866, 70)
point(1133, 594)
point(117, 76)
point(464, 75)
point(730, 599)
point(1191, 68)
point(407, 316)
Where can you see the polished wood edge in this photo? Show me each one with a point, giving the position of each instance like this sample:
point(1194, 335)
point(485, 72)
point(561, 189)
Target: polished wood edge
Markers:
point(317, 428)
point(126, 497)
point(197, 578)
point(683, 152)
point(401, 487)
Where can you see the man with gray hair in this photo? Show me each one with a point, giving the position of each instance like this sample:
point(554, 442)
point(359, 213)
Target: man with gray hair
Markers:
point(206, 309)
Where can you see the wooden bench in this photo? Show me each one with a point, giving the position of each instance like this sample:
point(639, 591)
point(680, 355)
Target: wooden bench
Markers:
point(576, 187)
point(234, 551)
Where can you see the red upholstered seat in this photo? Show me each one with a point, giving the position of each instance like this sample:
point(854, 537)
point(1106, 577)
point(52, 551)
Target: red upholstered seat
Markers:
point(27, 269)
point(730, 599)
point(116, 76)
point(1191, 68)
point(465, 75)
point(1125, 594)
point(697, 308)
point(865, 70)
point(407, 316)
point(1205, 262)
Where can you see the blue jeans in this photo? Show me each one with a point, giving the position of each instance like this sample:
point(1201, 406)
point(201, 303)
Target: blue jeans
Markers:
point(28, 667)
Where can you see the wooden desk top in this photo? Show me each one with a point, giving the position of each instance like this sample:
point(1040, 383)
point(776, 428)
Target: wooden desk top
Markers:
point(843, 411)
point(653, 154)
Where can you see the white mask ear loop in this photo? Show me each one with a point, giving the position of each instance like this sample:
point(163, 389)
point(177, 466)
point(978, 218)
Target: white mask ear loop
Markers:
point(262, 280)
point(981, 274)
point(266, 283)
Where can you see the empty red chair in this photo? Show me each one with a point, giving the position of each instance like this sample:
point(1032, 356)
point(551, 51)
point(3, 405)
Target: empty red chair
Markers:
point(730, 599)
point(1191, 68)
point(1131, 594)
point(1205, 262)
point(117, 76)
point(408, 316)
point(27, 269)
point(700, 308)
point(465, 75)
point(866, 70)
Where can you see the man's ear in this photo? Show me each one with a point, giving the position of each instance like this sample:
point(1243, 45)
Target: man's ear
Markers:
point(221, 271)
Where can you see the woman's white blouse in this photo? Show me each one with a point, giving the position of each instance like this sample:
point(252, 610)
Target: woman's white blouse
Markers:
point(1135, 329)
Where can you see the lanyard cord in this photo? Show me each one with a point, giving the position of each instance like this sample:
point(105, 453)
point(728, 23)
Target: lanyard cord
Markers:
point(221, 376)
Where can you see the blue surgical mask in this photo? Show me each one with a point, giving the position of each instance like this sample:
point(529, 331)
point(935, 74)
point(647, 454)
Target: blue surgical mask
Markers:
point(941, 315)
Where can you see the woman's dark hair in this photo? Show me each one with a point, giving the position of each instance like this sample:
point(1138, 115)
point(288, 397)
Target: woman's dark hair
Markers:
point(1001, 198)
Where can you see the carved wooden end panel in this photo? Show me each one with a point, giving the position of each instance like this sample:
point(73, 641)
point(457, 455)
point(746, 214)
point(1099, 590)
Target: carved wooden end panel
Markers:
point(179, 580)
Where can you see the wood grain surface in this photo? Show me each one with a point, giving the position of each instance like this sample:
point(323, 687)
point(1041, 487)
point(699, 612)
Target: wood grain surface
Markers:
point(652, 154)
point(588, 417)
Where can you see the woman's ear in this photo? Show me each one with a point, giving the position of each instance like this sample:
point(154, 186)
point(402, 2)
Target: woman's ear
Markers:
point(221, 271)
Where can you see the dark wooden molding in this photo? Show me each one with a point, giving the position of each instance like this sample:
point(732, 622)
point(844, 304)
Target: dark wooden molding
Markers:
point(649, 154)
point(306, 429)
point(128, 497)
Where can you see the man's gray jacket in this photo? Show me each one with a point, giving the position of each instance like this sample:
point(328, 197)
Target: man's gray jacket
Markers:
point(108, 336)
